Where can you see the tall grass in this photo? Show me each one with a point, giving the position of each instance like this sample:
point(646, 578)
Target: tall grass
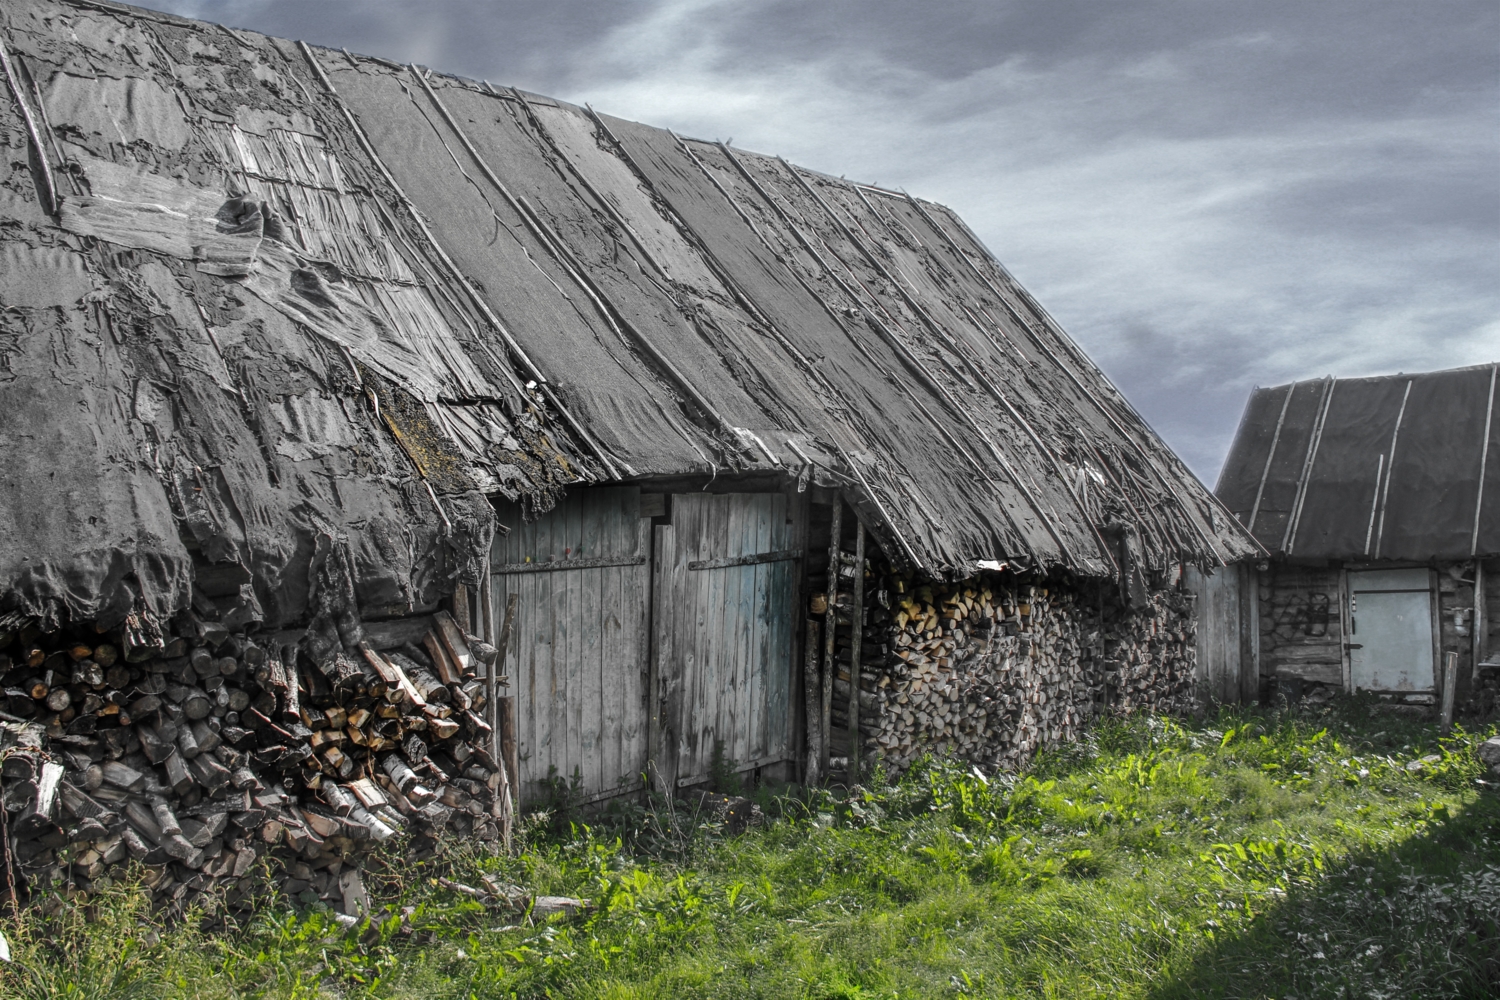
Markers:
point(1344, 854)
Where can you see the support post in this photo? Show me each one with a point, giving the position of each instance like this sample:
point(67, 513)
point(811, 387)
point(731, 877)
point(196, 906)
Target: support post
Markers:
point(1481, 625)
point(830, 632)
point(461, 616)
point(484, 622)
point(1450, 684)
point(506, 706)
point(811, 688)
point(856, 640)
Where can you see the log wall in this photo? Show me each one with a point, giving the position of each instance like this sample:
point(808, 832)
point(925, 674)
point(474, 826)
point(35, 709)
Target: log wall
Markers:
point(994, 669)
point(1301, 627)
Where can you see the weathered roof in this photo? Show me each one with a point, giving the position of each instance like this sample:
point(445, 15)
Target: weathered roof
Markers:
point(1400, 467)
point(298, 302)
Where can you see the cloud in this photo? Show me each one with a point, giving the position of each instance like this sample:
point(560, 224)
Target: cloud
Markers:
point(1208, 196)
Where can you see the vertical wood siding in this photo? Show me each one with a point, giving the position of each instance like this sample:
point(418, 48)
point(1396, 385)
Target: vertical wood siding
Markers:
point(579, 649)
point(725, 632)
point(1221, 627)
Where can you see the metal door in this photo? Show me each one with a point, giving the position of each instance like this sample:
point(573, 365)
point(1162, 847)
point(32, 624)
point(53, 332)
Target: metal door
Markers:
point(580, 642)
point(1390, 630)
point(726, 588)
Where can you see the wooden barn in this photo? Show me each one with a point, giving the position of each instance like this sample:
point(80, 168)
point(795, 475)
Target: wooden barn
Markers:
point(723, 454)
point(1379, 499)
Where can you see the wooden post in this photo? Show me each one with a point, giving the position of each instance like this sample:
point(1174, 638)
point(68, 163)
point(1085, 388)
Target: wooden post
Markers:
point(830, 632)
point(1249, 611)
point(811, 688)
point(1480, 624)
point(506, 706)
point(485, 608)
point(856, 640)
point(1450, 683)
point(461, 615)
point(483, 620)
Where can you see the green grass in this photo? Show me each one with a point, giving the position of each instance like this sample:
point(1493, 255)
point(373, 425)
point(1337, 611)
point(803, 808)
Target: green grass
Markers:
point(1254, 855)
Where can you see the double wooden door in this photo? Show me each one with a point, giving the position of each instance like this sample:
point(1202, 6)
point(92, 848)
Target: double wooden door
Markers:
point(635, 652)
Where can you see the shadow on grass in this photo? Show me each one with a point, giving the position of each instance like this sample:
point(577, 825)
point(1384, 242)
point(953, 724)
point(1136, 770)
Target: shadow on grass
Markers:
point(1419, 920)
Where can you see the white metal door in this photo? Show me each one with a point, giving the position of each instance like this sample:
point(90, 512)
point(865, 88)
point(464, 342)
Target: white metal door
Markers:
point(1390, 634)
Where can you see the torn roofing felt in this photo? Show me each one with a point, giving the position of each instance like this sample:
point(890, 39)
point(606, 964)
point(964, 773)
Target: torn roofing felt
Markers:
point(282, 301)
point(229, 352)
point(1398, 467)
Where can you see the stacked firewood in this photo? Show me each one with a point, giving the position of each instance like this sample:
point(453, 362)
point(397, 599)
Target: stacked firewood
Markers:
point(216, 759)
point(993, 669)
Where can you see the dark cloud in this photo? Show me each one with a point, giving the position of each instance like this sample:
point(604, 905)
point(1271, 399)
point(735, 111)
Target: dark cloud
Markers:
point(523, 43)
point(1208, 195)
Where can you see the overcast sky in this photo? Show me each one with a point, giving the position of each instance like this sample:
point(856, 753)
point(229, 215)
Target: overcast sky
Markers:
point(1208, 195)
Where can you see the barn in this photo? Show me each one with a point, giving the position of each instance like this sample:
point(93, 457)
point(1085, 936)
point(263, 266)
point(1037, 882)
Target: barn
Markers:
point(1379, 499)
point(714, 463)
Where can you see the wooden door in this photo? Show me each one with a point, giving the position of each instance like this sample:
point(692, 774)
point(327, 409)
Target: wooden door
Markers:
point(1221, 624)
point(580, 642)
point(1390, 630)
point(725, 592)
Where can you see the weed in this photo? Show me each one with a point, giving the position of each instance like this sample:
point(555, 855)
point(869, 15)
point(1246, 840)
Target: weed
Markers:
point(722, 777)
point(1333, 852)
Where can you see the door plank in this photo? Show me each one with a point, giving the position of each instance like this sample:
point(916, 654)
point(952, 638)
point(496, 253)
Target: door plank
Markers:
point(579, 650)
point(666, 702)
point(731, 641)
point(593, 632)
point(760, 633)
point(733, 721)
point(716, 681)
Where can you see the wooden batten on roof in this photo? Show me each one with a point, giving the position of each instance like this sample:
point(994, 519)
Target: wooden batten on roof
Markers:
point(1397, 467)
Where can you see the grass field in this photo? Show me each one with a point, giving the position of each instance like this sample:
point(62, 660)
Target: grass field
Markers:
point(1342, 853)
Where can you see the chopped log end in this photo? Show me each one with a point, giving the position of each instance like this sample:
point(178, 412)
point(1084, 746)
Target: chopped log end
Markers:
point(209, 756)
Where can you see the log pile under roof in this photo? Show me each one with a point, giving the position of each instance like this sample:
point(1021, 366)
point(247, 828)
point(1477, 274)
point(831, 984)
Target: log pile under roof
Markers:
point(281, 323)
point(992, 669)
point(204, 754)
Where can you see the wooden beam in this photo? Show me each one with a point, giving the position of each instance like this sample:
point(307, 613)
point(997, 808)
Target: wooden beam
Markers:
point(1265, 473)
point(1450, 686)
point(856, 640)
point(507, 705)
point(1316, 438)
point(31, 129)
point(1481, 621)
point(1484, 455)
point(830, 633)
point(815, 735)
